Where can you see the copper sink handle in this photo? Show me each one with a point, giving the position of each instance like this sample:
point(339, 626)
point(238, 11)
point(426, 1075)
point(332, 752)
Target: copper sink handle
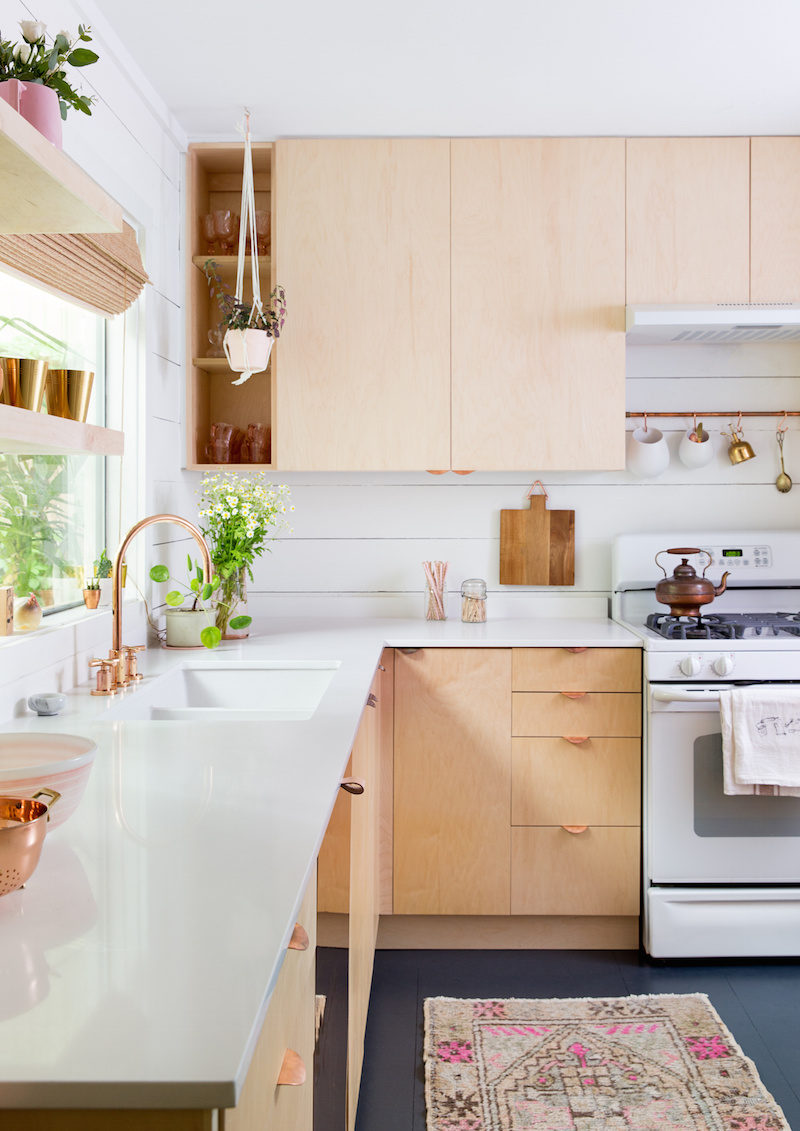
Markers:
point(573, 694)
point(293, 1071)
point(352, 785)
point(299, 939)
point(574, 829)
point(575, 739)
point(576, 650)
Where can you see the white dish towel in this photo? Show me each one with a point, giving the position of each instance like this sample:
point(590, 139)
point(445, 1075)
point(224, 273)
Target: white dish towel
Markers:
point(761, 740)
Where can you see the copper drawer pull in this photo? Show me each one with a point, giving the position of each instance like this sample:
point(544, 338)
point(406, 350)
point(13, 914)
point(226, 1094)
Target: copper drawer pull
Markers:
point(293, 1071)
point(372, 700)
point(352, 785)
point(299, 939)
point(575, 739)
point(576, 650)
point(381, 668)
point(573, 694)
point(574, 829)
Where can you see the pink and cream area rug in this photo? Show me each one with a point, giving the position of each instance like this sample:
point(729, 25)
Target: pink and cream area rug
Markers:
point(662, 1062)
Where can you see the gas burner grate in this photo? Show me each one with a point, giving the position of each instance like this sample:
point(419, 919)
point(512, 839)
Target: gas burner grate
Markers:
point(724, 626)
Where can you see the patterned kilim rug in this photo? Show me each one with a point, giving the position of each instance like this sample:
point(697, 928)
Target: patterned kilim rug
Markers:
point(662, 1062)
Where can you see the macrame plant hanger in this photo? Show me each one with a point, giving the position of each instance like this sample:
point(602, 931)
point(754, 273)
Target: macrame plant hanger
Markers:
point(247, 351)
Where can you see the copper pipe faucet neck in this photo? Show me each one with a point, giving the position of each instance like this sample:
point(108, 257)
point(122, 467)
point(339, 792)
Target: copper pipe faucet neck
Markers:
point(116, 572)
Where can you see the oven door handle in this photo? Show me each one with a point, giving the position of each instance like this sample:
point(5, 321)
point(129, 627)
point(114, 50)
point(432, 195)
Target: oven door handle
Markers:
point(666, 695)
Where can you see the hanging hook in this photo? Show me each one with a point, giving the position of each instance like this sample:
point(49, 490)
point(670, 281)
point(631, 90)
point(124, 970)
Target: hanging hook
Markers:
point(783, 424)
point(537, 483)
point(644, 414)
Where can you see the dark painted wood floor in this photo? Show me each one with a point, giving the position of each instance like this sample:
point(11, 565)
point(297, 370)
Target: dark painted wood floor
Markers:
point(759, 1002)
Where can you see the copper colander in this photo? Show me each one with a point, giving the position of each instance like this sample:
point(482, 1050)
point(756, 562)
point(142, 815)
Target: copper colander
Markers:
point(23, 823)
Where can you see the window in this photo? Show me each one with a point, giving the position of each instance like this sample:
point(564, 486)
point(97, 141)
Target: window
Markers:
point(52, 507)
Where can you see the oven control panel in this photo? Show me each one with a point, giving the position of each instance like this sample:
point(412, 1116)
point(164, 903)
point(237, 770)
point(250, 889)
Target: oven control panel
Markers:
point(742, 557)
point(707, 665)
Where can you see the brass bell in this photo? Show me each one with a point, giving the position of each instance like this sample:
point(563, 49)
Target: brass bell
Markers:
point(739, 449)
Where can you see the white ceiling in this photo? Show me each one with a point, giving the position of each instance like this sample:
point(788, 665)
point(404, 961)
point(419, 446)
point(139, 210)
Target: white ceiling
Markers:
point(441, 67)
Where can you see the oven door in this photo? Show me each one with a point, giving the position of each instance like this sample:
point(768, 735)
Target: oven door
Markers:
point(695, 833)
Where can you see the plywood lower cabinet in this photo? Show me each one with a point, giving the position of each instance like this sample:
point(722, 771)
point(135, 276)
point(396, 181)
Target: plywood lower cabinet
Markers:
point(278, 1092)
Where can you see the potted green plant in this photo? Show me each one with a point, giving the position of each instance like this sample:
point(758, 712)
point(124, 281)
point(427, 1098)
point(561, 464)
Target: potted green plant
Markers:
point(91, 593)
point(250, 330)
point(33, 75)
point(189, 625)
point(34, 522)
point(238, 516)
point(102, 570)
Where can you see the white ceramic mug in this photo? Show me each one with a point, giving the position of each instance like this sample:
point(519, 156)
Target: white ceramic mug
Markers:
point(648, 454)
point(693, 453)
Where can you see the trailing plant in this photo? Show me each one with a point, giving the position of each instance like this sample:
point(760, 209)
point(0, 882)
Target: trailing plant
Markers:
point(241, 315)
point(34, 60)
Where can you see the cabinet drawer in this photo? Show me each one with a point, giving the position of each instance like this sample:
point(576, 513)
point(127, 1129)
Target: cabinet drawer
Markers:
point(595, 872)
point(549, 713)
point(556, 782)
point(264, 1105)
point(559, 669)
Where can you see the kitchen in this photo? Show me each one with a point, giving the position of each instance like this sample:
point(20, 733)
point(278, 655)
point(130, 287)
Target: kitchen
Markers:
point(371, 531)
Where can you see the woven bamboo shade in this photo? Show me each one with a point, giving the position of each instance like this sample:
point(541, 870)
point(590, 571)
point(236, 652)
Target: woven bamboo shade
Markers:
point(102, 269)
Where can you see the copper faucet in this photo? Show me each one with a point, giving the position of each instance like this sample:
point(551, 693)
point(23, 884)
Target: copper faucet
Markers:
point(125, 665)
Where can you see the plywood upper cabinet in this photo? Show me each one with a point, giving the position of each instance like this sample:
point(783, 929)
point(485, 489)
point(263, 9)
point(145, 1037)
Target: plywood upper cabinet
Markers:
point(775, 223)
point(538, 278)
point(688, 220)
point(361, 240)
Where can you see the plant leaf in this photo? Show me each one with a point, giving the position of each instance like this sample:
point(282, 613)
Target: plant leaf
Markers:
point(211, 636)
point(189, 566)
point(194, 585)
point(82, 57)
point(207, 591)
point(159, 573)
point(174, 598)
point(240, 622)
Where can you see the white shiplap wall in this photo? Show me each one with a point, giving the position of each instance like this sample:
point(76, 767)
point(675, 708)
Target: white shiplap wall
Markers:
point(359, 539)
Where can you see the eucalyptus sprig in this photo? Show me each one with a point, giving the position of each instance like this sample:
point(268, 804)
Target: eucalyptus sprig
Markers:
point(34, 60)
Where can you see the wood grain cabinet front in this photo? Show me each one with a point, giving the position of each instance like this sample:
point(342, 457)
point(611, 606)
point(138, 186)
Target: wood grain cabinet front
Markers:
point(576, 782)
point(278, 1092)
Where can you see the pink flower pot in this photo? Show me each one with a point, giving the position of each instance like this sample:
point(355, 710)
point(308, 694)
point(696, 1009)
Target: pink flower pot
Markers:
point(37, 104)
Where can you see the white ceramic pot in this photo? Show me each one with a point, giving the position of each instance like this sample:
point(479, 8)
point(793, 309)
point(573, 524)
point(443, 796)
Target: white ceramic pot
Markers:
point(247, 351)
point(648, 454)
point(184, 627)
point(694, 453)
point(105, 584)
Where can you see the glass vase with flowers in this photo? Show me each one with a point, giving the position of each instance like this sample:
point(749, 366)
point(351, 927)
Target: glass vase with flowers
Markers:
point(238, 516)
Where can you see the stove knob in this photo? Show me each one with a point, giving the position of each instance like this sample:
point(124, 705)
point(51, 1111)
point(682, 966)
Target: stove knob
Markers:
point(723, 665)
point(690, 665)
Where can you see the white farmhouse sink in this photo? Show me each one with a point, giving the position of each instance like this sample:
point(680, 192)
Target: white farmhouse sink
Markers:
point(228, 691)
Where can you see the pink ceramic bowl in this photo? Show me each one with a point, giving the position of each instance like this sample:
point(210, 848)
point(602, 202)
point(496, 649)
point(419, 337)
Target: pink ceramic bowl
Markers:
point(61, 762)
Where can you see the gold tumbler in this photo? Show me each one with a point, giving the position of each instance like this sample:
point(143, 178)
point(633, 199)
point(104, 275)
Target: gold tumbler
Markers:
point(24, 381)
point(68, 393)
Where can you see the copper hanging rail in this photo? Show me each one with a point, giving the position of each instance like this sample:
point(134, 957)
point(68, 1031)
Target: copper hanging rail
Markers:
point(737, 413)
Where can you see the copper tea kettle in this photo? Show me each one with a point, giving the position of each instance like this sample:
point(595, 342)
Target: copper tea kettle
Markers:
point(685, 592)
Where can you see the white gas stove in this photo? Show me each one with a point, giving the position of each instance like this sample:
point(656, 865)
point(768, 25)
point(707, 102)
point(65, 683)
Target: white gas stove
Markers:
point(721, 873)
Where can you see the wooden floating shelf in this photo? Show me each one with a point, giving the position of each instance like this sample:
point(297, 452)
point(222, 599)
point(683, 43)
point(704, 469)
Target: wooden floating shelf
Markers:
point(35, 433)
point(227, 263)
point(213, 365)
point(42, 190)
point(230, 466)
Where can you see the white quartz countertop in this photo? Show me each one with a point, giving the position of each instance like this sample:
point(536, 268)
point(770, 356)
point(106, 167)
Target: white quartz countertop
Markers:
point(137, 964)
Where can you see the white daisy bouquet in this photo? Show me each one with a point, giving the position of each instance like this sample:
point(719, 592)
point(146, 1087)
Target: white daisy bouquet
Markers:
point(238, 516)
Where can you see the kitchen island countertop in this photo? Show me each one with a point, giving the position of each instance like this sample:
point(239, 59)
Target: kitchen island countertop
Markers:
point(138, 962)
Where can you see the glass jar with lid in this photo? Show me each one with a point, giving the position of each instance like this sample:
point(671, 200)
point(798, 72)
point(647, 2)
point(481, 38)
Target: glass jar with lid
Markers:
point(473, 600)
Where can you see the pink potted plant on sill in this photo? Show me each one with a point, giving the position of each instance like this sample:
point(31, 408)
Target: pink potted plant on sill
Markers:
point(33, 79)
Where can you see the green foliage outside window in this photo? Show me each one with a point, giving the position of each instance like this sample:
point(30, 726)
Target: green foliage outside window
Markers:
point(35, 516)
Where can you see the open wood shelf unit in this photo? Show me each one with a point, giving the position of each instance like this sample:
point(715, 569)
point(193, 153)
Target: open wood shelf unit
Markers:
point(23, 432)
point(42, 190)
point(214, 181)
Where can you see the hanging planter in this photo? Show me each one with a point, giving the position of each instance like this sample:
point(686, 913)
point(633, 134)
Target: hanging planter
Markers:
point(247, 351)
point(250, 328)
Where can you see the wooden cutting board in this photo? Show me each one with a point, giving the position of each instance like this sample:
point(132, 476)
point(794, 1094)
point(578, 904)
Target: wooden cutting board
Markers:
point(537, 546)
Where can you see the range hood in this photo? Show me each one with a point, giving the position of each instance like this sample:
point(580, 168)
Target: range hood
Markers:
point(721, 322)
